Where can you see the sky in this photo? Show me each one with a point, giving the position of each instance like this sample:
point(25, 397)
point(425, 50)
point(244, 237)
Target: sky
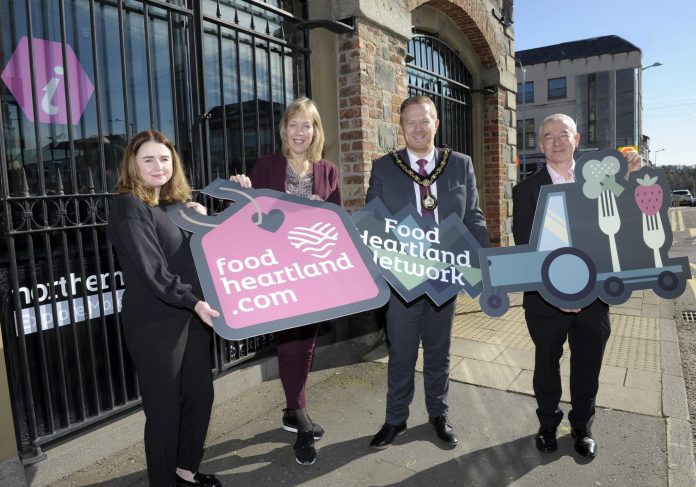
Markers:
point(664, 31)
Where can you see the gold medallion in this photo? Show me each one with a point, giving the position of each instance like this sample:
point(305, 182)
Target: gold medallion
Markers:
point(429, 202)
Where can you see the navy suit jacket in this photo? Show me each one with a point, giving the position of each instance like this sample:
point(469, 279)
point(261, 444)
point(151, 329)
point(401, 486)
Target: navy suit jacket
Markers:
point(456, 190)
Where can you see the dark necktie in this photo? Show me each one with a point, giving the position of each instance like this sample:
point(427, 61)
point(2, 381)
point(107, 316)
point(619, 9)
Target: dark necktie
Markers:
point(423, 190)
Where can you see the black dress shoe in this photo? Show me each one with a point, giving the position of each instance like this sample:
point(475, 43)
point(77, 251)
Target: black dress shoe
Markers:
point(584, 444)
point(385, 436)
point(444, 430)
point(545, 439)
point(200, 480)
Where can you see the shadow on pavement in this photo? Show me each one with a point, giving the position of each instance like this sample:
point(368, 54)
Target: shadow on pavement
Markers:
point(498, 465)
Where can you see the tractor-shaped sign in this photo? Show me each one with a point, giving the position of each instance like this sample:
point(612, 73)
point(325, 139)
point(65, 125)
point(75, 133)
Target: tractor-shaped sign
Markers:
point(600, 237)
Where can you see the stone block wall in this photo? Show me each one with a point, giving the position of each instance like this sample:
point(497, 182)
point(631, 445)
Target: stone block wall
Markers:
point(372, 84)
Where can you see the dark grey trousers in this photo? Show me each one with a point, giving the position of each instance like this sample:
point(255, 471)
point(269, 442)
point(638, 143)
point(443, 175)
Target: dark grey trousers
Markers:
point(409, 324)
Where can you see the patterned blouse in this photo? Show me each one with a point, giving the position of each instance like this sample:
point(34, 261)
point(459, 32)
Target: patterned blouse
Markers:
point(298, 185)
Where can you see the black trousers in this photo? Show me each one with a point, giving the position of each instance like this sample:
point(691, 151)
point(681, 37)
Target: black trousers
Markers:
point(409, 324)
point(174, 373)
point(587, 333)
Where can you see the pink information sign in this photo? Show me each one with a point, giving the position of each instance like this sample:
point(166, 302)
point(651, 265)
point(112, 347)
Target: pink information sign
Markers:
point(51, 72)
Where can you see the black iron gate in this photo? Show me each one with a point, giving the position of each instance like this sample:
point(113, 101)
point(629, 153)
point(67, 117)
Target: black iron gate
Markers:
point(435, 70)
point(79, 78)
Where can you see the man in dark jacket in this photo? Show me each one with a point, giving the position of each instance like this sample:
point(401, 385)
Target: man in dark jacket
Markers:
point(439, 182)
point(587, 330)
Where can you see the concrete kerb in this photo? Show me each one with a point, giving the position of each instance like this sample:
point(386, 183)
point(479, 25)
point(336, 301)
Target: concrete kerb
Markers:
point(674, 404)
point(675, 409)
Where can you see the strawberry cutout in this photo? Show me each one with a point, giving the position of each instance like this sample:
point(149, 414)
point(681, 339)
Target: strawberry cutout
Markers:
point(648, 195)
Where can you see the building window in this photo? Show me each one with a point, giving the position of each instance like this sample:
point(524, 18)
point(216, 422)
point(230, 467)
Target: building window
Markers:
point(525, 93)
point(557, 88)
point(526, 137)
point(435, 70)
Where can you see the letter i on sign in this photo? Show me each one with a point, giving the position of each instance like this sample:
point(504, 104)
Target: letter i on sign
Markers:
point(50, 91)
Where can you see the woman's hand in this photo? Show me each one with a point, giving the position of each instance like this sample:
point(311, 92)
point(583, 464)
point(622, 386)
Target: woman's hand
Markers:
point(205, 312)
point(242, 179)
point(316, 197)
point(571, 310)
point(198, 207)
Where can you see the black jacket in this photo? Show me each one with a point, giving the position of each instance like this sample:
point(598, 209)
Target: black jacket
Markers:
point(158, 269)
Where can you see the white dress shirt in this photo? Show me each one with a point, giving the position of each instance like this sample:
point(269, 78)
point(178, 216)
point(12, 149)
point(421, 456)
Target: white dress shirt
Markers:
point(429, 167)
point(556, 178)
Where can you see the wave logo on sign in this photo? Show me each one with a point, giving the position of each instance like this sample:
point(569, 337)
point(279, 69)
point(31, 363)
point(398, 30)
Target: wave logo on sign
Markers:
point(318, 240)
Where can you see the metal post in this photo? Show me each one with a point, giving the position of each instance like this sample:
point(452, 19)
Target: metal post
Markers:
point(640, 114)
point(524, 117)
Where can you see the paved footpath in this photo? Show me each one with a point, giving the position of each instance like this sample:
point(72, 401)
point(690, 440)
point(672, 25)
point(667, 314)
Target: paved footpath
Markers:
point(641, 426)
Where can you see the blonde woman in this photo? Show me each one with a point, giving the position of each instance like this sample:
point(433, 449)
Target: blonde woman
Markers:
point(166, 324)
point(298, 170)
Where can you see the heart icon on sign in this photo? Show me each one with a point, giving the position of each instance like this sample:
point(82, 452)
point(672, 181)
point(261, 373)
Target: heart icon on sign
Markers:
point(270, 221)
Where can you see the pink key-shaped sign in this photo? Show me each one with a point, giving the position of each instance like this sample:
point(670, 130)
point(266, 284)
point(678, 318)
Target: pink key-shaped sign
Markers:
point(273, 261)
point(50, 72)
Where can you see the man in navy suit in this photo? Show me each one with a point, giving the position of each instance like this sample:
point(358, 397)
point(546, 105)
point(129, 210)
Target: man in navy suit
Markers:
point(587, 330)
point(438, 182)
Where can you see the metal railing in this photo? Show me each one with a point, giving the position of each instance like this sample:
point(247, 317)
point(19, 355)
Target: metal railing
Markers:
point(151, 63)
point(435, 70)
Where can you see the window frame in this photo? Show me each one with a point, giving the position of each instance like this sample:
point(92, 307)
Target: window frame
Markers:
point(550, 90)
point(528, 135)
point(526, 92)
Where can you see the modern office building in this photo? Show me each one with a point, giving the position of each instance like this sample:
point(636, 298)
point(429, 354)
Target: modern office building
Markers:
point(79, 78)
point(596, 81)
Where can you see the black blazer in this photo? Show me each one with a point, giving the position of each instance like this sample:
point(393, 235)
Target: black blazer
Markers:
point(524, 199)
point(525, 196)
point(456, 190)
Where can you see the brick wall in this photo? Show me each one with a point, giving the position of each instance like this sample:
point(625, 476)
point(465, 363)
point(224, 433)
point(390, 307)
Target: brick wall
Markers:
point(372, 83)
point(494, 141)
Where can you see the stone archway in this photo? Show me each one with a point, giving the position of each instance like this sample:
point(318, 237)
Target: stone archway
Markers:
point(493, 151)
point(475, 22)
point(373, 82)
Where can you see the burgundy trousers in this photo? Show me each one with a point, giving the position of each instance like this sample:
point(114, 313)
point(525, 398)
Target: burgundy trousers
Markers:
point(295, 348)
